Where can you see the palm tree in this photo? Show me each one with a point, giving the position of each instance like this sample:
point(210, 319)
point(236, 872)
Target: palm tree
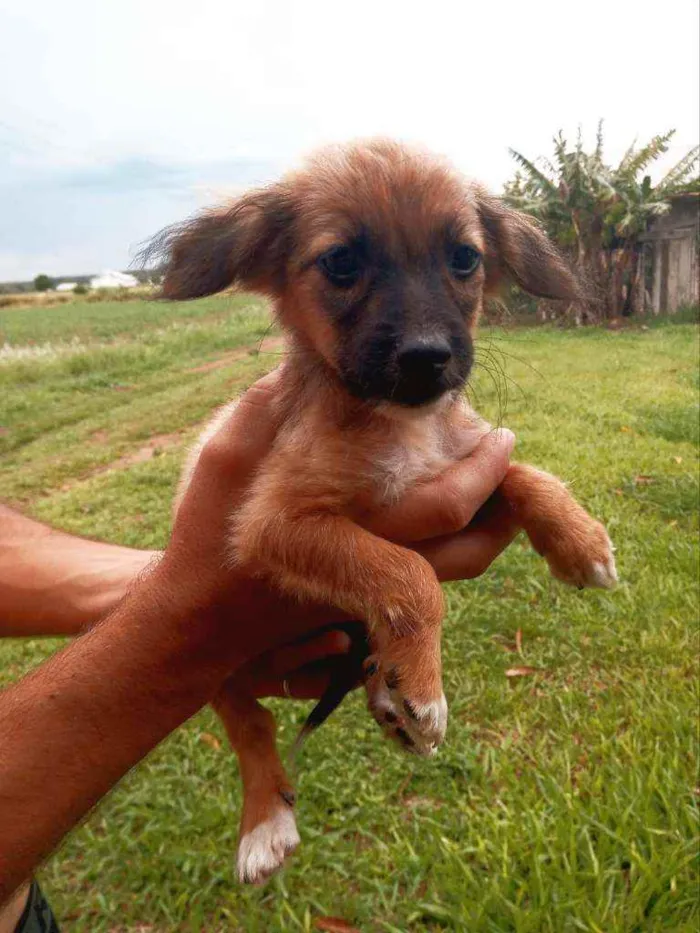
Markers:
point(597, 212)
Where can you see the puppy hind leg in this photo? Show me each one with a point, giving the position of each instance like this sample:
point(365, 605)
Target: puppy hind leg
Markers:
point(268, 831)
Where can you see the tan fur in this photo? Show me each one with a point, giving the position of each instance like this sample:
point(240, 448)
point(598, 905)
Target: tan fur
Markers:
point(266, 787)
point(338, 457)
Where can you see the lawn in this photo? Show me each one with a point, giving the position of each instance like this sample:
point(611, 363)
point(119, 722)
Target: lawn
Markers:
point(563, 800)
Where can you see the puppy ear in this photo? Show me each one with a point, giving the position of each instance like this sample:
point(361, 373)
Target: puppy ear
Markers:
point(517, 248)
point(244, 243)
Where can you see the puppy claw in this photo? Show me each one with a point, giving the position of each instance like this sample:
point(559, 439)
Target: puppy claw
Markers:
point(425, 723)
point(288, 795)
point(263, 850)
point(417, 728)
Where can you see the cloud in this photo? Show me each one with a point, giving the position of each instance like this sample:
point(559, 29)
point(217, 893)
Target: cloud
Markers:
point(118, 118)
point(135, 174)
point(143, 174)
point(80, 221)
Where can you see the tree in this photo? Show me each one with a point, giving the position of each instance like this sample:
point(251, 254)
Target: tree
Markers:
point(42, 283)
point(596, 212)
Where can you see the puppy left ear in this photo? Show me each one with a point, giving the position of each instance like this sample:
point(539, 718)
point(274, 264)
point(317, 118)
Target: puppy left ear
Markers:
point(244, 243)
point(517, 248)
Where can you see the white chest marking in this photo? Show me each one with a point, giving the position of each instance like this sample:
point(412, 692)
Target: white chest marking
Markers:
point(428, 447)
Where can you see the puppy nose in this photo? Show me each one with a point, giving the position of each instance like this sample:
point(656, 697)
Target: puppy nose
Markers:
point(424, 356)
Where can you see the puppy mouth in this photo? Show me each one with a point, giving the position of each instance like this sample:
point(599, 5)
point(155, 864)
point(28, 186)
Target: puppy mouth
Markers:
point(404, 393)
point(416, 393)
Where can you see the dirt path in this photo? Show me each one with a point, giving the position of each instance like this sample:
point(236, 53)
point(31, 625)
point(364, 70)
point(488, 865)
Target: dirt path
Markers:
point(159, 443)
point(269, 345)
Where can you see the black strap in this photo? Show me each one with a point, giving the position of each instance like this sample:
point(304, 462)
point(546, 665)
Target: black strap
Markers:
point(37, 916)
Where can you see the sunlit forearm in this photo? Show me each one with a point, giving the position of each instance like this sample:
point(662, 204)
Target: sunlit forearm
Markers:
point(53, 583)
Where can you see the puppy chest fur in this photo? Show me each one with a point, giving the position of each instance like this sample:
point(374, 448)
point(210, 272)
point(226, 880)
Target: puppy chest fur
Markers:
point(356, 465)
point(421, 448)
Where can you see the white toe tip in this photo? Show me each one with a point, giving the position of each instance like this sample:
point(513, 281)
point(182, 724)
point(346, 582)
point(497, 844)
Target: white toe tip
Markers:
point(604, 575)
point(263, 850)
point(433, 715)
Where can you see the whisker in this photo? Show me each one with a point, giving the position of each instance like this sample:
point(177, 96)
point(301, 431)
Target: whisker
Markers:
point(508, 379)
point(514, 356)
point(266, 333)
point(496, 384)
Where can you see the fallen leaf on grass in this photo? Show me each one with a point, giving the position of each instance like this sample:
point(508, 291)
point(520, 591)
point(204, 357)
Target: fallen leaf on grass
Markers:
point(678, 459)
point(415, 802)
point(519, 641)
point(643, 480)
point(504, 644)
point(521, 671)
point(333, 925)
point(211, 741)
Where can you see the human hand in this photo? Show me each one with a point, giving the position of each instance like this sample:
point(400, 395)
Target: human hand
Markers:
point(300, 671)
point(248, 617)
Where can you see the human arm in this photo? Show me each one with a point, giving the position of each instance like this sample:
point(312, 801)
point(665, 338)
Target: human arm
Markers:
point(53, 583)
point(78, 722)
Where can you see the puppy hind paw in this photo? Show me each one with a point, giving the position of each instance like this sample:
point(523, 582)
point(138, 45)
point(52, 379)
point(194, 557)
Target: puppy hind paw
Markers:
point(263, 850)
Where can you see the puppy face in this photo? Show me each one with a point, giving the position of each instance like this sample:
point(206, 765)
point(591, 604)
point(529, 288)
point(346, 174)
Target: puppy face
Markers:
point(387, 274)
point(377, 258)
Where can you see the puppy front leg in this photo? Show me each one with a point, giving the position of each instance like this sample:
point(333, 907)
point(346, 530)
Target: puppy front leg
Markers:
point(328, 558)
point(268, 830)
point(576, 546)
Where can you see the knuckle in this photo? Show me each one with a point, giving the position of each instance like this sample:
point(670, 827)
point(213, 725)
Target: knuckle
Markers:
point(495, 458)
point(216, 454)
point(493, 469)
point(453, 512)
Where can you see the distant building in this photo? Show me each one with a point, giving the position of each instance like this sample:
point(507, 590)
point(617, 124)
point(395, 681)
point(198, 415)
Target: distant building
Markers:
point(671, 261)
point(110, 279)
point(66, 286)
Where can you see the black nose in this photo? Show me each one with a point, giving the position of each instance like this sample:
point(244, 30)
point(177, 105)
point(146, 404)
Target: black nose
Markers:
point(424, 357)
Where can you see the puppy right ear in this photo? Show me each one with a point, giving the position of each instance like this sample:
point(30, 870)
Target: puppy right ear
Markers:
point(244, 244)
point(517, 248)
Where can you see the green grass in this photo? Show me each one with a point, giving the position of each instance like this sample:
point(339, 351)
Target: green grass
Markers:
point(562, 801)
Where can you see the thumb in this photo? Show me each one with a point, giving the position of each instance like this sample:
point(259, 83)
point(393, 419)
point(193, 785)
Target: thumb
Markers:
point(247, 429)
point(239, 437)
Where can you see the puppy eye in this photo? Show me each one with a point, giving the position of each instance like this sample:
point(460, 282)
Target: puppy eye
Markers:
point(464, 261)
point(342, 265)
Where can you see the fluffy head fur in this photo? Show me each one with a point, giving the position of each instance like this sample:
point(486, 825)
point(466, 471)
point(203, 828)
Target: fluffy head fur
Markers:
point(377, 258)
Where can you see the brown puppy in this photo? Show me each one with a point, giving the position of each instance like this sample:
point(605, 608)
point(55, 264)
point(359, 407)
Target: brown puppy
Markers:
point(377, 259)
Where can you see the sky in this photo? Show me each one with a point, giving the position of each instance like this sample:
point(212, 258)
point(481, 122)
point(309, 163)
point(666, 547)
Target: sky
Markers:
point(118, 117)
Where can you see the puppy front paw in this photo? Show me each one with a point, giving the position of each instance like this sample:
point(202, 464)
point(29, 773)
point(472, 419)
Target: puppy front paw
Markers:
point(580, 553)
point(418, 726)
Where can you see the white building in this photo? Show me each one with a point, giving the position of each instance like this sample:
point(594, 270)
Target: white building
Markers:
point(110, 279)
point(66, 286)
